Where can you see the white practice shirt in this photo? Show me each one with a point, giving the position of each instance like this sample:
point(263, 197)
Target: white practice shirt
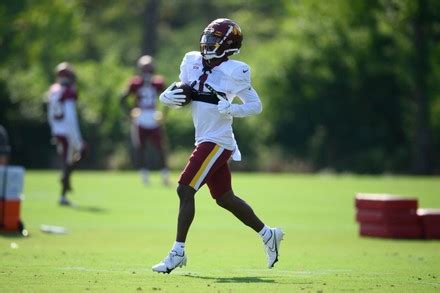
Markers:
point(231, 78)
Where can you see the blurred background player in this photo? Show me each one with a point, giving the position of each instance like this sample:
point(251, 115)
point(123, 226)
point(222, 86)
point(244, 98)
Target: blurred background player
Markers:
point(5, 148)
point(216, 81)
point(63, 120)
point(146, 119)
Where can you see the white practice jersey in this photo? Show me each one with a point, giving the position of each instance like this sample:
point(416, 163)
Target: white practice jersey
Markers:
point(62, 115)
point(231, 78)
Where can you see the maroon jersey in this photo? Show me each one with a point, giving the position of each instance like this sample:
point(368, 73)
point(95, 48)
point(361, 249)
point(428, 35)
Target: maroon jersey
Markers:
point(146, 92)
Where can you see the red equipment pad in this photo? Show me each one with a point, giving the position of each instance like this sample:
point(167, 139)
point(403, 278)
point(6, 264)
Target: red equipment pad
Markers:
point(11, 215)
point(391, 231)
point(390, 216)
point(2, 206)
point(429, 216)
point(384, 201)
point(430, 219)
point(431, 232)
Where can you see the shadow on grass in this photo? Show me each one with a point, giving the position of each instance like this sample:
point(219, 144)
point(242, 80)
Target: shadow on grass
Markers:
point(233, 279)
point(89, 209)
point(250, 279)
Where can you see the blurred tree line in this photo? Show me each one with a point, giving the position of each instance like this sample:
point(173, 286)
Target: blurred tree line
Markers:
point(346, 85)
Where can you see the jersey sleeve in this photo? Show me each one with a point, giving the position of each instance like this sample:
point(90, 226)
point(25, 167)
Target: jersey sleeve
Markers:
point(69, 93)
point(240, 78)
point(242, 88)
point(134, 84)
point(188, 62)
point(251, 103)
point(158, 82)
point(183, 76)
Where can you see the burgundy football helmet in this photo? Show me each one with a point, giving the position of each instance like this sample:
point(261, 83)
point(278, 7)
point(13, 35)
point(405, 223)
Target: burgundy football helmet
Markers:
point(145, 64)
point(65, 71)
point(220, 38)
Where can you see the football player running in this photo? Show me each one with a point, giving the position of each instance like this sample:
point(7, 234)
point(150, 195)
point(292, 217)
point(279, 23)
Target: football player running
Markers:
point(63, 121)
point(145, 117)
point(216, 81)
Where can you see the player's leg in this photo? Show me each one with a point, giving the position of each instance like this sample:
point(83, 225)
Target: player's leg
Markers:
point(157, 139)
point(71, 158)
point(141, 153)
point(65, 179)
point(177, 257)
point(64, 149)
point(220, 186)
point(138, 140)
point(240, 209)
point(186, 211)
point(204, 159)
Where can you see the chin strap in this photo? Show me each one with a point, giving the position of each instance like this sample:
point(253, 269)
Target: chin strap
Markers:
point(209, 64)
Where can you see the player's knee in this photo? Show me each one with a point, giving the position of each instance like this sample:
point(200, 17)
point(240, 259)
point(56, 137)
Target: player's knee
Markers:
point(185, 192)
point(226, 200)
point(223, 203)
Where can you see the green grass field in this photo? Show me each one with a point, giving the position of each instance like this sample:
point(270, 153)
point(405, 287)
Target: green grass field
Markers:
point(121, 228)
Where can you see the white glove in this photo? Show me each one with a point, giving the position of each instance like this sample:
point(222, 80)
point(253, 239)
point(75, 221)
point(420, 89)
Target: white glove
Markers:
point(172, 98)
point(224, 107)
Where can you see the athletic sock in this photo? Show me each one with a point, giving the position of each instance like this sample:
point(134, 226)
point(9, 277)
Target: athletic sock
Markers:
point(144, 175)
point(179, 247)
point(165, 176)
point(265, 233)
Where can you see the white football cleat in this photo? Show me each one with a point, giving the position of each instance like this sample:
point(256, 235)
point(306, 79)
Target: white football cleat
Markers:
point(272, 246)
point(172, 261)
